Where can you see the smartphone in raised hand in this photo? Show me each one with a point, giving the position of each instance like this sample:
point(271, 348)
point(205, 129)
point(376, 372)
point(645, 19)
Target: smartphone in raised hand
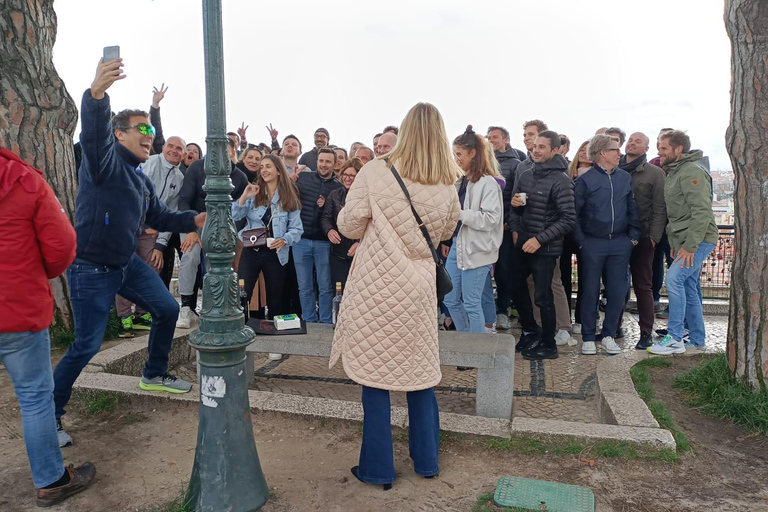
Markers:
point(111, 53)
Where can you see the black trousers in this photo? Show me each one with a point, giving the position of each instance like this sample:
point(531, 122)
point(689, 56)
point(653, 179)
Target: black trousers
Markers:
point(169, 258)
point(542, 269)
point(339, 270)
point(291, 301)
point(503, 275)
point(255, 261)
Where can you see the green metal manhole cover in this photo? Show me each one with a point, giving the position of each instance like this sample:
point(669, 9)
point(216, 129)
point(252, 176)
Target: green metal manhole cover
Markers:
point(543, 496)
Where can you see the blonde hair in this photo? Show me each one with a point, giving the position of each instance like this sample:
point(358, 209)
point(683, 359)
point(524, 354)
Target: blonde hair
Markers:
point(573, 167)
point(423, 153)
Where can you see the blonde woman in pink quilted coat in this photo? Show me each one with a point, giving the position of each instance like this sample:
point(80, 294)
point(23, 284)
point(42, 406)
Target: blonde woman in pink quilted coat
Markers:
point(386, 335)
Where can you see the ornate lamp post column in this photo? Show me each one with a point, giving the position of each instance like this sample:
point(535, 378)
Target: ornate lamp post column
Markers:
point(227, 473)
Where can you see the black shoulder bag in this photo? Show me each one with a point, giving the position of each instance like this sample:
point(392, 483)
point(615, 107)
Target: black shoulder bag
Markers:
point(443, 280)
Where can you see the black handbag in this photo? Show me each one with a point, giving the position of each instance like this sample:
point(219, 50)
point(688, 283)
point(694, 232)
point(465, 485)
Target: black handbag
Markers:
point(444, 285)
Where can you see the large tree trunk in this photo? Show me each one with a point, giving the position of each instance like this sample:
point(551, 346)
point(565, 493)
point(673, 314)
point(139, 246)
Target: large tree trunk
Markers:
point(42, 114)
point(747, 141)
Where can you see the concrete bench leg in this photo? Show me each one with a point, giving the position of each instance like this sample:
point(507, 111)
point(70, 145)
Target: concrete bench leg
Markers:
point(495, 387)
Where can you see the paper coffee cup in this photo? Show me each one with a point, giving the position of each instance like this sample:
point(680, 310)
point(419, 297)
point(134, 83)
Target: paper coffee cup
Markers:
point(524, 198)
point(270, 241)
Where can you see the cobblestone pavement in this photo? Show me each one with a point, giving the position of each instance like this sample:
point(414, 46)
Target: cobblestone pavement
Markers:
point(562, 388)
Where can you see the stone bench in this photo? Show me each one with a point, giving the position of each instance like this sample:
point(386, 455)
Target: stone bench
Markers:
point(493, 355)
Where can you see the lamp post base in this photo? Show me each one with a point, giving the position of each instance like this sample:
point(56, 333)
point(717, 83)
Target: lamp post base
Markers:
point(227, 473)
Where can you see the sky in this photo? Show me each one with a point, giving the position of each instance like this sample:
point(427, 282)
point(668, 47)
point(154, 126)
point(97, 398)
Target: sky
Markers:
point(354, 67)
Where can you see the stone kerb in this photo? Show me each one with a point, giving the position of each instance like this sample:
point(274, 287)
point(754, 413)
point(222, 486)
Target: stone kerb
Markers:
point(129, 357)
point(617, 400)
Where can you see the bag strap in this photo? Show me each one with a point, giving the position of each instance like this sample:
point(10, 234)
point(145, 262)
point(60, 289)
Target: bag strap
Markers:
point(415, 214)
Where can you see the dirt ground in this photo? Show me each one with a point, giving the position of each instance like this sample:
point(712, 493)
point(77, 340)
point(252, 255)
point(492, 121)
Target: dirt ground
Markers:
point(144, 455)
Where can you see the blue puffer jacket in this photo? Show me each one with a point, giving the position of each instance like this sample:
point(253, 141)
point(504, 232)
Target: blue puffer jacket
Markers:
point(116, 199)
point(605, 205)
point(285, 225)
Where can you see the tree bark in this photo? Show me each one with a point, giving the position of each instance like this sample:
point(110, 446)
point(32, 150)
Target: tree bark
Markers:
point(41, 112)
point(747, 141)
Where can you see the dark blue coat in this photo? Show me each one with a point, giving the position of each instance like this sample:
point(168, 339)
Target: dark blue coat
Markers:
point(605, 205)
point(116, 200)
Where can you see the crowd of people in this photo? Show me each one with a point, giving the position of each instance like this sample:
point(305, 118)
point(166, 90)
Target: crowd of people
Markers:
point(308, 220)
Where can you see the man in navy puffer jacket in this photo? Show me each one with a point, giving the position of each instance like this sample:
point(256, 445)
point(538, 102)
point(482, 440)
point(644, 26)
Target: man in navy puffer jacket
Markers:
point(116, 200)
point(607, 229)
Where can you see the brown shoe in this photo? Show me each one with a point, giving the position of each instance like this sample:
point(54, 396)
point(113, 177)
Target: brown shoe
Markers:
point(79, 479)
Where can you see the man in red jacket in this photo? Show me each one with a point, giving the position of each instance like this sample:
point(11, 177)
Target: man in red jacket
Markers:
point(37, 243)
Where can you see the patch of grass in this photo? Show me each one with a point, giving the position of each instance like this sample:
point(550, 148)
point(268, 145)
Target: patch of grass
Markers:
point(451, 437)
point(113, 326)
point(177, 505)
point(98, 402)
point(607, 449)
point(63, 336)
point(642, 380)
point(485, 503)
point(712, 390)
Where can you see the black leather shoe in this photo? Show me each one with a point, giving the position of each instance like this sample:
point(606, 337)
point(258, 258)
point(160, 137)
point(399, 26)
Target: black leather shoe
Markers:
point(540, 352)
point(646, 341)
point(386, 487)
point(619, 333)
point(528, 341)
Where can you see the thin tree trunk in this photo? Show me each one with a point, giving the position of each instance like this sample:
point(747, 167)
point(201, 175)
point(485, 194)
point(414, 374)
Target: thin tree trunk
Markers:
point(747, 141)
point(41, 112)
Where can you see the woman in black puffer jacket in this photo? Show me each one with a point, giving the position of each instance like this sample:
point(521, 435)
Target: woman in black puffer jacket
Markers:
point(342, 248)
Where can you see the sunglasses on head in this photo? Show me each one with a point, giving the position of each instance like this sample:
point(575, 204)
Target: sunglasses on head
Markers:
point(143, 128)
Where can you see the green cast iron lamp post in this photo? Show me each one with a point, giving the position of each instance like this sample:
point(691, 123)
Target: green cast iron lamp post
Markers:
point(227, 473)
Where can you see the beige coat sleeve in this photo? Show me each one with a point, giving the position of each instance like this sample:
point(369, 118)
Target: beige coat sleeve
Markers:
point(353, 218)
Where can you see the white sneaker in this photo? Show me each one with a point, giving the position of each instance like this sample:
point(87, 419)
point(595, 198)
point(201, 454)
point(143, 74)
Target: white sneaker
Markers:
point(64, 438)
point(562, 338)
point(490, 330)
point(275, 357)
point(184, 320)
point(588, 348)
point(610, 346)
point(502, 322)
point(667, 346)
point(576, 328)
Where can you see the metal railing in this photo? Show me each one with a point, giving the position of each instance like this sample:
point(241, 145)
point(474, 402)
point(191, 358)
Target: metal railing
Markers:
point(715, 271)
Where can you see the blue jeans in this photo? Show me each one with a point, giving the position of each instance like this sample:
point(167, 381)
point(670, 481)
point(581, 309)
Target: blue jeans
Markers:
point(27, 355)
point(309, 255)
point(684, 290)
point(377, 463)
point(465, 300)
point(92, 290)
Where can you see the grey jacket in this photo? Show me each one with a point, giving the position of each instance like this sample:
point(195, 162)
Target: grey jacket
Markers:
point(167, 180)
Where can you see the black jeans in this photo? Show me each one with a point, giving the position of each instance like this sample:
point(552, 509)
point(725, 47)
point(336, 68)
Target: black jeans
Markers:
point(660, 254)
point(339, 270)
point(169, 258)
point(542, 268)
point(255, 261)
point(503, 275)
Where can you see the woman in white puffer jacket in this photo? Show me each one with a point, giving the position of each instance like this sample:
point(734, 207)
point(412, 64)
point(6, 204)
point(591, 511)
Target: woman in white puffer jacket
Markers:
point(477, 239)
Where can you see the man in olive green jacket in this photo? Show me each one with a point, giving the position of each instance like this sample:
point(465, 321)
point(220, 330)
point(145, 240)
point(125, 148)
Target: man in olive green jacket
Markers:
point(648, 187)
point(692, 236)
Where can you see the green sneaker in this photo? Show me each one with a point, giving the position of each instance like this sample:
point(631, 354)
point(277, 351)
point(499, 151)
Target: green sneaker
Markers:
point(126, 327)
point(166, 382)
point(143, 322)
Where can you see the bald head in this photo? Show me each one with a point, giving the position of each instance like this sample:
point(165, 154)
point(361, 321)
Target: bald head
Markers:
point(386, 143)
point(637, 145)
point(174, 149)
